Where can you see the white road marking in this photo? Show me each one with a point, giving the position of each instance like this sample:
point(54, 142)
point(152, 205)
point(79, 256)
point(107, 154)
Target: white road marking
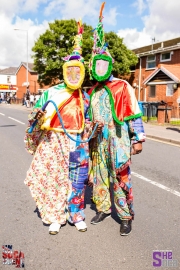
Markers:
point(2, 114)
point(17, 120)
point(161, 141)
point(157, 184)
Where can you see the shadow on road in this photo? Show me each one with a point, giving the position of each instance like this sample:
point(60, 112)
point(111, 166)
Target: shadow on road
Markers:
point(175, 129)
point(88, 195)
point(8, 126)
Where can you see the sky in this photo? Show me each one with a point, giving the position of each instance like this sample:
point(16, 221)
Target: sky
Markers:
point(138, 22)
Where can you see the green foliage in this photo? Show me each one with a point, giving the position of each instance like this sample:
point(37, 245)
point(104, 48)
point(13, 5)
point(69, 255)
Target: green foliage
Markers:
point(175, 122)
point(145, 119)
point(53, 45)
point(124, 58)
point(57, 42)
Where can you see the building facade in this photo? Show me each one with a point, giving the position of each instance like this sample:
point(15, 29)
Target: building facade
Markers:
point(156, 77)
point(26, 76)
point(8, 82)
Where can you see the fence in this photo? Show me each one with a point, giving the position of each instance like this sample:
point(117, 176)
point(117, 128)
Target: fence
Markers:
point(175, 115)
point(150, 111)
point(16, 101)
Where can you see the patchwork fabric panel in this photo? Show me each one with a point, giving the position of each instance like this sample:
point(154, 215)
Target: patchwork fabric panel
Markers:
point(78, 173)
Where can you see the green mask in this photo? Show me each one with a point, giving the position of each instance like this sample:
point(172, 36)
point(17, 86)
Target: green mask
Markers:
point(101, 67)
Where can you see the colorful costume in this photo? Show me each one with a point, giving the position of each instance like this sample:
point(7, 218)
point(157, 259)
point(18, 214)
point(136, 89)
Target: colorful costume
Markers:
point(113, 103)
point(60, 165)
point(111, 153)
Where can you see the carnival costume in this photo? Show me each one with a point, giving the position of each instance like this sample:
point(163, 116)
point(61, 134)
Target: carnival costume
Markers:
point(59, 168)
point(113, 103)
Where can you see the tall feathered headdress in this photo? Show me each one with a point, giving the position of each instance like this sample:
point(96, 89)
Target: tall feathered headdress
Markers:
point(73, 68)
point(99, 46)
point(77, 48)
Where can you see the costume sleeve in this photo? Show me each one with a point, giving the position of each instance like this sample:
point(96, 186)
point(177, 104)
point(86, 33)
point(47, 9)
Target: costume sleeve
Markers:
point(124, 105)
point(136, 130)
point(43, 98)
point(31, 140)
point(88, 124)
point(131, 108)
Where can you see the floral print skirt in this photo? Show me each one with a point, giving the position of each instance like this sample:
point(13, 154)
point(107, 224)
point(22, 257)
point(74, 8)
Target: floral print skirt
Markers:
point(48, 177)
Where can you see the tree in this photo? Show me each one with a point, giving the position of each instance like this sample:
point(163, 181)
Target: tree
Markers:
point(124, 58)
point(57, 42)
point(53, 45)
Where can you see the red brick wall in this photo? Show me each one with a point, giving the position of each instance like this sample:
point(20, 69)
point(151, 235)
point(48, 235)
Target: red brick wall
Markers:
point(21, 78)
point(161, 89)
point(161, 95)
point(33, 84)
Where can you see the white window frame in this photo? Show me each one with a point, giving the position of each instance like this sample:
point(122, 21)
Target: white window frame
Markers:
point(151, 61)
point(8, 79)
point(150, 91)
point(165, 60)
point(169, 90)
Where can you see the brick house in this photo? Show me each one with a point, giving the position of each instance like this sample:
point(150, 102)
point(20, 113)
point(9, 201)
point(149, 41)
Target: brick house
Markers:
point(156, 77)
point(21, 76)
point(8, 83)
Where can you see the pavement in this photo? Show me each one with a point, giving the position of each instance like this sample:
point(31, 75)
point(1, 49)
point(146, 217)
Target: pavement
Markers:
point(167, 133)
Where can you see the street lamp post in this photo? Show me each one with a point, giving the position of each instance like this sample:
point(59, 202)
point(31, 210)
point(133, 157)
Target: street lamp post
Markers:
point(27, 83)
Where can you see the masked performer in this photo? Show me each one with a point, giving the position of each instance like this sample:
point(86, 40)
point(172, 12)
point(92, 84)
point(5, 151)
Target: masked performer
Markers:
point(114, 105)
point(60, 165)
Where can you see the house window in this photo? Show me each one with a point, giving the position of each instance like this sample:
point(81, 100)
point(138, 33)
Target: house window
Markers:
point(8, 79)
point(166, 56)
point(152, 91)
point(151, 61)
point(132, 68)
point(169, 90)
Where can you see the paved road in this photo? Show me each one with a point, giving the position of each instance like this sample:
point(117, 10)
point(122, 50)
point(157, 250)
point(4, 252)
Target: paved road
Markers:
point(156, 180)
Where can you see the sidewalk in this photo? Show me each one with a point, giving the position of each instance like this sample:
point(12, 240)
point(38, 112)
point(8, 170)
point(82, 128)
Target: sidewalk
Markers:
point(15, 106)
point(166, 133)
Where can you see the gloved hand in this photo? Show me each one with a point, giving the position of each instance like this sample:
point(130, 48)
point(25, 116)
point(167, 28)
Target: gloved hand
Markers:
point(39, 114)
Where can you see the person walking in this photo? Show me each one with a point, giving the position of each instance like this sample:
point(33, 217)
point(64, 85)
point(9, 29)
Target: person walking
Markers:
point(27, 100)
point(31, 100)
point(114, 106)
point(59, 169)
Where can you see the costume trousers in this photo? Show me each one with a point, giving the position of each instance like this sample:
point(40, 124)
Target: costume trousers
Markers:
point(103, 172)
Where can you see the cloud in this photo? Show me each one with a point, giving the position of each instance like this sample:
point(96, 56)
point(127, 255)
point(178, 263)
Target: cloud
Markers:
point(68, 9)
point(162, 20)
point(84, 9)
point(20, 6)
point(134, 39)
point(140, 5)
point(13, 46)
point(111, 16)
point(26, 14)
point(161, 23)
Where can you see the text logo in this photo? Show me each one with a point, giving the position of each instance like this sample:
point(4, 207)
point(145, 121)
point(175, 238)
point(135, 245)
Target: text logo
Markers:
point(11, 257)
point(164, 258)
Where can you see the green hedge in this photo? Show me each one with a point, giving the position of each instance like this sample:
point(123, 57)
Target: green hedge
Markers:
point(144, 118)
point(175, 122)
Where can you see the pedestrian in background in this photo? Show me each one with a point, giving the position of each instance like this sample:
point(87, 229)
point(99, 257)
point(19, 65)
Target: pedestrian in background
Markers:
point(24, 100)
point(31, 100)
point(27, 100)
